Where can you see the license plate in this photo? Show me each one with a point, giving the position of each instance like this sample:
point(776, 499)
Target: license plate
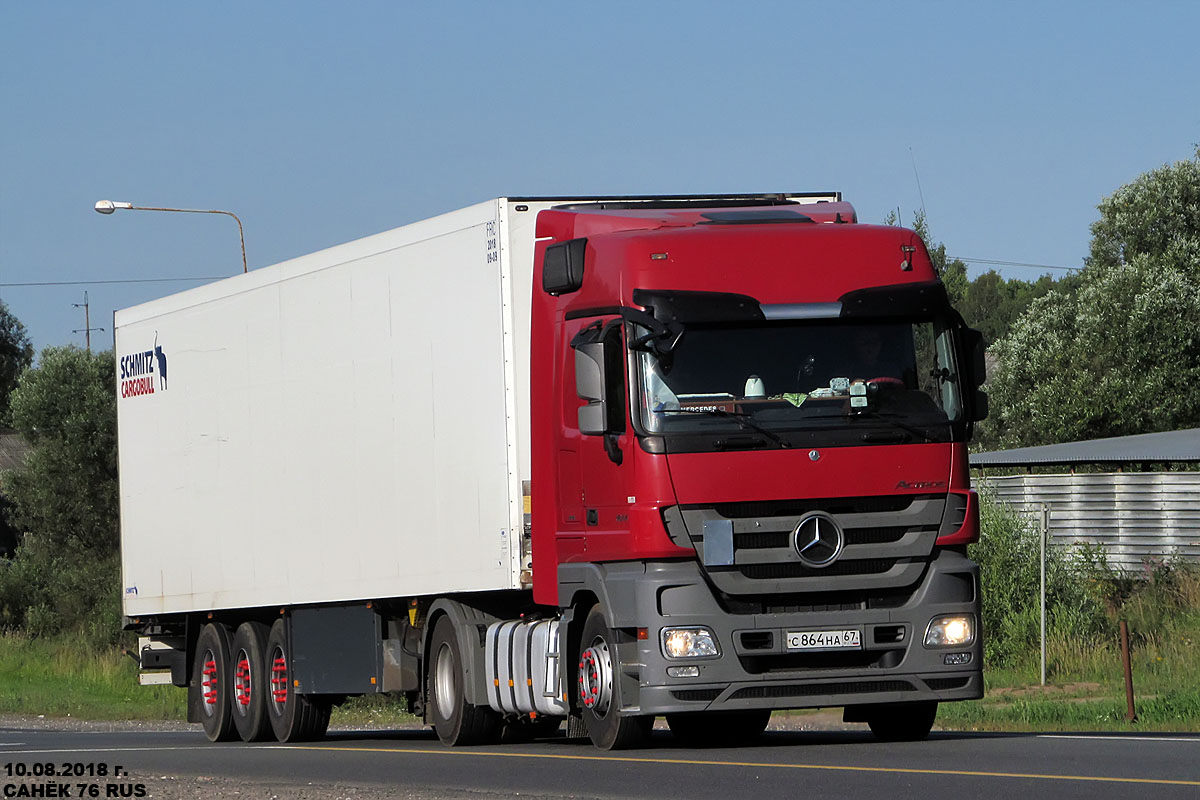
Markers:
point(825, 640)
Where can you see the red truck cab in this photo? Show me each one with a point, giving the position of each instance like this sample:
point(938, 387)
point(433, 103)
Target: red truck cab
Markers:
point(749, 462)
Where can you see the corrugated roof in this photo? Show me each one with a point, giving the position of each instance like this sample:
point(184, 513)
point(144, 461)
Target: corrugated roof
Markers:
point(1143, 448)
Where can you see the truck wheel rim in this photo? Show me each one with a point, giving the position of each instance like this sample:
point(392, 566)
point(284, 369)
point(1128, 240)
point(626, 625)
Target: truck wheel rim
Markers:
point(279, 680)
point(595, 678)
point(443, 678)
point(242, 683)
point(209, 683)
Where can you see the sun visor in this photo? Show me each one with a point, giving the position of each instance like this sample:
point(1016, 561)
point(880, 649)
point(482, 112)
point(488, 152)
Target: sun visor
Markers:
point(690, 307)
point(902, 300)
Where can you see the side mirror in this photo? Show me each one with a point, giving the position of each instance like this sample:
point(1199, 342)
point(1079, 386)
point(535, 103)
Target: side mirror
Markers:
point(562, 267)
point(978, 353)
point(979, 406)
point(589, 385)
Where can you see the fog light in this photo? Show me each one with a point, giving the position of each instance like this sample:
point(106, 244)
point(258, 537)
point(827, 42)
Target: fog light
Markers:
point(684, 672)
point(956, 659)
point(950, 631)
point(689, 643)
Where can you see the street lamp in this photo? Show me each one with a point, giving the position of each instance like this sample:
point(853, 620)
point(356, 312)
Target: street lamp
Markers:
point(109, 206)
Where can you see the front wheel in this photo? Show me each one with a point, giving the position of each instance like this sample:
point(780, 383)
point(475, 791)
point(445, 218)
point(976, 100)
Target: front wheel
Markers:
point(902, 722)
point(597, 686)
point(455, 721)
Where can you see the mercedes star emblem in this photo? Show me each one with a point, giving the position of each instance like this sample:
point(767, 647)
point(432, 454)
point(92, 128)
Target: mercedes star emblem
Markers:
point(818, 539)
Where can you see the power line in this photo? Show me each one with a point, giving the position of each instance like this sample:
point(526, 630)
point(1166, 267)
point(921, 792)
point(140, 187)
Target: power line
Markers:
point(1010, 263)
point(127, 280)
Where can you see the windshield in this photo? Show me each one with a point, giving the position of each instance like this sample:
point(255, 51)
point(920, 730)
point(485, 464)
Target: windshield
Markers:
point(804, 375)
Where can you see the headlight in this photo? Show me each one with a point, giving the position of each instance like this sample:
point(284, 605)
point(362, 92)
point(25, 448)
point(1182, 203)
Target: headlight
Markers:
point(950, 631)
point(689, 643)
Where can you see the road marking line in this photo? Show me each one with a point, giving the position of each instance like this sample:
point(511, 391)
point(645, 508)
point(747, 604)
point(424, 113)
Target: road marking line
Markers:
point(1192, 740)
point(122, 749)
point(756, 764)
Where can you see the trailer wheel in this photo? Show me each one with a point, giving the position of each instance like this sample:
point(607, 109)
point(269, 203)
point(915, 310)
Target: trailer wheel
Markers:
point(718, 727)
point(456, 721)
point(212, 671)
point(250, 682)
point(294, 717)
point(596, 683)
point(902, 722)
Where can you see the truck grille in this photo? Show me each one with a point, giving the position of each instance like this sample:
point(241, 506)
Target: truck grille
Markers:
point(887, 543)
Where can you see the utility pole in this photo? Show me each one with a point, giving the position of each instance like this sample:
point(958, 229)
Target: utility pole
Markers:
point(87, 328)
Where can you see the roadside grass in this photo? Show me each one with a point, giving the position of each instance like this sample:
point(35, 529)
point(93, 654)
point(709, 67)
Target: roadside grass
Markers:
point(1084, 673)
point(372, 712)
point(62, 677)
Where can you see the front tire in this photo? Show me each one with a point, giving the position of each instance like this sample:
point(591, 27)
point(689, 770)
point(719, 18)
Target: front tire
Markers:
point(455, 721)
point(211, 670)
point(597, 687)
point(902, 722)
point(250, 682)
point(294, 717)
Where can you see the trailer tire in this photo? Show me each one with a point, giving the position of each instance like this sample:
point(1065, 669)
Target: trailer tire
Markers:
point(596, 689)
point(294, 717)
point(250, 682)
point(211, 670)
point(718, 727)
point(902, 722)
point(455, 721)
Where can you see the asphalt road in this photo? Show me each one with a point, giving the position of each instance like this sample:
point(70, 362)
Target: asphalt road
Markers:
point(785, 764)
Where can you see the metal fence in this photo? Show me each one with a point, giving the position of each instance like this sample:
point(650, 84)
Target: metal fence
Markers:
point(1134, 515)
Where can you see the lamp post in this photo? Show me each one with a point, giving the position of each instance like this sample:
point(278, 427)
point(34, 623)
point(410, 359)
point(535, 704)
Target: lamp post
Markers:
point(109, 206)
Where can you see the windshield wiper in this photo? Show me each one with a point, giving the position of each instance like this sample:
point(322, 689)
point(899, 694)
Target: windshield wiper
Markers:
point(738, 417)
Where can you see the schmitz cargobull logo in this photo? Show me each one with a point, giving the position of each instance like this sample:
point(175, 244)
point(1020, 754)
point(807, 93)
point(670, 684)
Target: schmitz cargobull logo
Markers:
point(144, 372)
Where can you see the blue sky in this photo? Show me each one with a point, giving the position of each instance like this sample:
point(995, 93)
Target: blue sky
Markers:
point(322, 122)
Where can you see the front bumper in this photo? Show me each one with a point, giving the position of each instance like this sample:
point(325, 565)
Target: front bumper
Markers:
point(755, 670)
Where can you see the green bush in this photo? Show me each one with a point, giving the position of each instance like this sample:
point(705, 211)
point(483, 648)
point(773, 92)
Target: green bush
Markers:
point(65, 576)
point(46, 592)
point(1009, 563)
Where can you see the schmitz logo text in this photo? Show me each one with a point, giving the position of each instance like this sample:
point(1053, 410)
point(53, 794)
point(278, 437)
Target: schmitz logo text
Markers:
point(139, 371)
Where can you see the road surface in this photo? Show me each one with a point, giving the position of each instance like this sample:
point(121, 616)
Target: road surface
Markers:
point(413, 764)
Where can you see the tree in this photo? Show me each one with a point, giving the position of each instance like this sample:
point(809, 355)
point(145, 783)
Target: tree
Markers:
point(16, 354)
point(1121, 355)
point(65, 574)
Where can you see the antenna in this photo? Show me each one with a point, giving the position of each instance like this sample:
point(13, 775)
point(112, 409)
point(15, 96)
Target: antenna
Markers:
point(87, 328)
point(918, 176)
